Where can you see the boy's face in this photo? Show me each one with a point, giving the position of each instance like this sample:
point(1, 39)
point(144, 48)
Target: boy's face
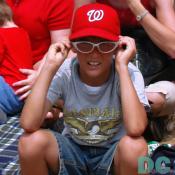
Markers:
point(94, 61)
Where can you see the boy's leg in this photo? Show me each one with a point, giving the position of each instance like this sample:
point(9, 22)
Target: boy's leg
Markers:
point(128, 151)
point(38, 152)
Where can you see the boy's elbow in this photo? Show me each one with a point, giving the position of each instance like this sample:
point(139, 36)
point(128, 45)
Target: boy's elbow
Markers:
point(137, 130)
point(27, 126)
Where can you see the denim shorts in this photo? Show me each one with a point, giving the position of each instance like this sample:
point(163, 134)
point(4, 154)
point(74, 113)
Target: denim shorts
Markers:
point(77, 159)
point(9, 102)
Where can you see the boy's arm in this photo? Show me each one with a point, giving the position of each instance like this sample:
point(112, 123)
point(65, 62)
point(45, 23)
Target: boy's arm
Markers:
point(134, 114)
point(37, 105)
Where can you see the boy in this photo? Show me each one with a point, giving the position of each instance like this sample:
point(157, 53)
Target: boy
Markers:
point(15, 53)
point(103, 98)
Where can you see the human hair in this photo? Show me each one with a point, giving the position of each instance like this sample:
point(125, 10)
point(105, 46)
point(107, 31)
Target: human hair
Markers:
point(5, 12)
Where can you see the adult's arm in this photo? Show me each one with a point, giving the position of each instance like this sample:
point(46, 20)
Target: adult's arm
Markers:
point(26, 85)
point(58, 20)
point(56, 36)
point(79, 3)
point(161, 29)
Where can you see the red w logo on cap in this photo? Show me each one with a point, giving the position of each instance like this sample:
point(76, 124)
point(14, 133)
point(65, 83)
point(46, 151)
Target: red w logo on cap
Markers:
point(95, 15)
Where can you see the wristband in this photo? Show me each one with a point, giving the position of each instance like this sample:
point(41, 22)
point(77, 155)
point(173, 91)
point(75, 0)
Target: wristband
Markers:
point(142, 15)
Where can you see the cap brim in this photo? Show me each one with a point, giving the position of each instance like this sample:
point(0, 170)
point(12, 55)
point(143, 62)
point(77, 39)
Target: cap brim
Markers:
point(94, 32)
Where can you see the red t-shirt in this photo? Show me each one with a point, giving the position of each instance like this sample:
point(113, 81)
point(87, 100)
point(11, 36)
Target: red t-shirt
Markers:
point(39, 17)
point(15, 53)
point(127, 19)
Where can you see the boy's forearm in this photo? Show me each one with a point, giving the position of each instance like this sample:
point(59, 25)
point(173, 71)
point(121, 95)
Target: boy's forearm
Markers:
point(36, 106)
point(134, 114)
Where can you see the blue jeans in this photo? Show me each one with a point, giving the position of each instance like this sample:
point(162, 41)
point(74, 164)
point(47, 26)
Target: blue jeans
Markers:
point(77, 159)
point(9, 101)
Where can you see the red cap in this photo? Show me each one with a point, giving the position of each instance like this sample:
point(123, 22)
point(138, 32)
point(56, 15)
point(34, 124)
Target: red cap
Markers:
point(97, 20)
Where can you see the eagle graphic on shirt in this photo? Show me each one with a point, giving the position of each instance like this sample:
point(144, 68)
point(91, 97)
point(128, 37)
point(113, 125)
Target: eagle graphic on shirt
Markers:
point(93, 129)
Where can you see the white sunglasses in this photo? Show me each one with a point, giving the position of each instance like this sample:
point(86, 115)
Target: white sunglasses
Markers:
point(88, 47)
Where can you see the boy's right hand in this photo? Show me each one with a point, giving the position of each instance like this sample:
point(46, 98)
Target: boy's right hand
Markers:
point(57, 53)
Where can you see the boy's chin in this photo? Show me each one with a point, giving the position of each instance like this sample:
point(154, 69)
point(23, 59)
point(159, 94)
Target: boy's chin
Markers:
point(95, 74)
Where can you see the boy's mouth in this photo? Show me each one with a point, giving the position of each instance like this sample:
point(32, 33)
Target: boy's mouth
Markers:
point(93, 63)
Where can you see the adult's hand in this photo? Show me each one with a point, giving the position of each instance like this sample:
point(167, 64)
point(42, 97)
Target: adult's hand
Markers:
point(53, 115)
point(56, 111)
point(26, 84)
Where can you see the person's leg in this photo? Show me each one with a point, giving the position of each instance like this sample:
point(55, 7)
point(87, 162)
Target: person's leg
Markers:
point(38, 152)
point(9, 101)
point(3, 116)
point(157, 101)
point(128, 151)
point(161, 96)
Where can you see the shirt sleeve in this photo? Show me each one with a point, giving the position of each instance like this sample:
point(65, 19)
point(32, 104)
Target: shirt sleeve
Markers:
point(60, 82)
point(55, 90)
point(139, 85)
point(59, 13)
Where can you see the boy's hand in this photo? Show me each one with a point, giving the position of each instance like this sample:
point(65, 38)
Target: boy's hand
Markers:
point(57, 53)
point(126, 51)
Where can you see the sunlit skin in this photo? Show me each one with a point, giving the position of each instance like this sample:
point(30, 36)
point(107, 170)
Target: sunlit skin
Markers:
point(95, 67)
point(123, 4)
point(119, 3)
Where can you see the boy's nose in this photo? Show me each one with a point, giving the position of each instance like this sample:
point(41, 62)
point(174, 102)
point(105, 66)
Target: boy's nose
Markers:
point(95, 51)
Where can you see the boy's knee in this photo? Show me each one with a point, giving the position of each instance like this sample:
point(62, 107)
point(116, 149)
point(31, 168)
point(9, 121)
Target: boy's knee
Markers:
point(132, 147)
point(128, 151)
point(30, 144)
point(157, 98)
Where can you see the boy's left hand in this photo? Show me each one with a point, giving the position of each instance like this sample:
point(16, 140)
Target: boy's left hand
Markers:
point(126, 51)
point(57, 53)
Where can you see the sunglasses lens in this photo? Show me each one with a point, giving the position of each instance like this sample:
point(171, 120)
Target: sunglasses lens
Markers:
point(84, 47)
point(107, 47)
